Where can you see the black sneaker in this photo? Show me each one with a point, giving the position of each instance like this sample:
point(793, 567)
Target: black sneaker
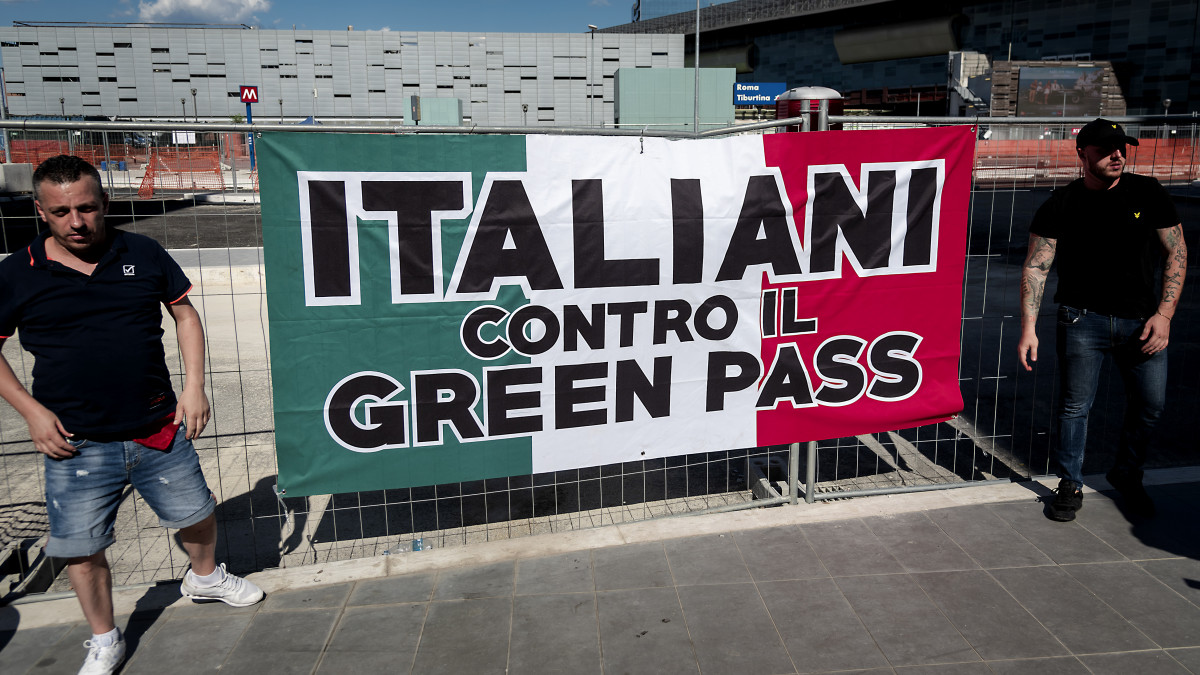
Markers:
point(1067, 500)
point(1137, 500)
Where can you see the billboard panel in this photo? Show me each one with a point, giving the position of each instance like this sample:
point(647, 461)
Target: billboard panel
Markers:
point(1059, 91)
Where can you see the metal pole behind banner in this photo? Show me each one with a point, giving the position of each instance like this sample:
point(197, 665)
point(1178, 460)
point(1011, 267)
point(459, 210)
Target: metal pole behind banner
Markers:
point(793, 471)
point(810, 474)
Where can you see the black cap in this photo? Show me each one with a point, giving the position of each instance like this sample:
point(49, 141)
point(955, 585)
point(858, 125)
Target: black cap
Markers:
point(1103, 133)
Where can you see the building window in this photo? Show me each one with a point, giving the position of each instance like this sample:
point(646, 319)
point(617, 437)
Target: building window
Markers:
point(160, 50)
point(122, 45)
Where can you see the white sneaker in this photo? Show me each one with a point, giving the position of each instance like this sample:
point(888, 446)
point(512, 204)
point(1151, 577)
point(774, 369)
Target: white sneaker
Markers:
point(232, 590)
point(103, 660)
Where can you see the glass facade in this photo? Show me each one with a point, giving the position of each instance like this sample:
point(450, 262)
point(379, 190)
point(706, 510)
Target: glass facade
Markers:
point(1152, 45)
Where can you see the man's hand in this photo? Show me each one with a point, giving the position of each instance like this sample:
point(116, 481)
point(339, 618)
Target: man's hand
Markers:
point(193, 407)
point(1156, 334)
point(48, 434)
point(193, 404)
point(1027, 347)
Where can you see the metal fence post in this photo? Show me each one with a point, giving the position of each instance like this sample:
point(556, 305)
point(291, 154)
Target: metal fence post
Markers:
point(793, 471)
point(810, 474)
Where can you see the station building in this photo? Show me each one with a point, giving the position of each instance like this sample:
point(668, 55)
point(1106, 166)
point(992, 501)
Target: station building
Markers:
point(164, 72)
point(893, 56)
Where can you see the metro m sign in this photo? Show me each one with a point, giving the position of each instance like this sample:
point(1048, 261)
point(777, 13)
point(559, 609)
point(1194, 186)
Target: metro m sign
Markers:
point(249, 94)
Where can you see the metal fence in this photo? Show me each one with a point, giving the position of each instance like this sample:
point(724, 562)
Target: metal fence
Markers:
point(1005, 431)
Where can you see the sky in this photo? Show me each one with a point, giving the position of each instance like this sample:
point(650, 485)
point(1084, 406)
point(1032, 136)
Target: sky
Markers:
point(510, 16)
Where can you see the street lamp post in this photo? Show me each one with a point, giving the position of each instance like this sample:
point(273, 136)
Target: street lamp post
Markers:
point(195, 110)
point(281, 111)
point(696, 92)
point(62, 103)
point(590, 86)
point(183, 104)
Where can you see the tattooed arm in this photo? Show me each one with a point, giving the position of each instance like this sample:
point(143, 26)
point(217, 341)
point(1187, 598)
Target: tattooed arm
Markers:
point(1158, 327)
point(1033, 285)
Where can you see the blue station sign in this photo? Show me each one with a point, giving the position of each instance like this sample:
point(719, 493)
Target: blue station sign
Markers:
point(757, 93)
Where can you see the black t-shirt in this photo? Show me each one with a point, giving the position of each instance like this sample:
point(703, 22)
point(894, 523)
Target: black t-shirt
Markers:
point(97, 339)
point(1108, 249)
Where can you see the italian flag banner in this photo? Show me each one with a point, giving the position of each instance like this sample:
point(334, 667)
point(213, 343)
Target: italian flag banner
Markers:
point(453, 308)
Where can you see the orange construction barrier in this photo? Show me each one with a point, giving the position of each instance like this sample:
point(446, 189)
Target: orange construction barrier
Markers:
point(182, 169)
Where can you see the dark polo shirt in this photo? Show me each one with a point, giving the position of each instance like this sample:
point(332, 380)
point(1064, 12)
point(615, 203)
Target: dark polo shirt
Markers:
point(97, 339)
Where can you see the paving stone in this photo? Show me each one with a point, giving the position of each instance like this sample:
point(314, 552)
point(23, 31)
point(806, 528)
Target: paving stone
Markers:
point(1076, 617)
point(711, 559)
point(631, 566)
point(919, 544)
point(642, 630)
point(390, 590)
point(555, 633)
point(485, 581)
point(987, 616)
point(465, 636)
point(908, 627)
point(778, 553)
point(848, 547)
point(732, 630)
point(567, 573)
point(819, 627)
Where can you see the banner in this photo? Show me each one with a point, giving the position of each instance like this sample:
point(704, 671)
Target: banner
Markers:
point(453, 308)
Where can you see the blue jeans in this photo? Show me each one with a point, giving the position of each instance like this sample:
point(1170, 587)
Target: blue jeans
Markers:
point(1084, 338)
point(84, 491)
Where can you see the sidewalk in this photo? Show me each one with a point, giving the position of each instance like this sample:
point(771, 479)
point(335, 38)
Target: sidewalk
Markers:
point(973, 580)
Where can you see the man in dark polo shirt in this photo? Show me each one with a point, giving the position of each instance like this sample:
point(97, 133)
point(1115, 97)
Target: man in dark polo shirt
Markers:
point(88, 301)
point(1109, 233)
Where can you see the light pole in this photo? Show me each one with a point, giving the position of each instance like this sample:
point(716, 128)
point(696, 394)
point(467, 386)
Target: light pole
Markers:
point(696, 92)
point(195, 111)
point(525, 114)
point(183, 104)
point(591, 68)
point(281, 111)
point(62, 103)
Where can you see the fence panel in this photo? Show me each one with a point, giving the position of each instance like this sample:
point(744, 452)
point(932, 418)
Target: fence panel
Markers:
point(1004, 432)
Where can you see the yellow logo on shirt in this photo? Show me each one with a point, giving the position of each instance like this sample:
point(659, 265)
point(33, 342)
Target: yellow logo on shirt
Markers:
point(1137, 214)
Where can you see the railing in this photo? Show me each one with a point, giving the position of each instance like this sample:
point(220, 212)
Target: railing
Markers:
point(1004, 432)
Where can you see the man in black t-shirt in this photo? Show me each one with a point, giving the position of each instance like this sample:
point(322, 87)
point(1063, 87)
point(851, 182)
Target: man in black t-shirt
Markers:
point(88, 302)
point(1108, 232)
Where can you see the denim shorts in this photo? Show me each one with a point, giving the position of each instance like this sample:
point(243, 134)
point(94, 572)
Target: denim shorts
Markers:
point(84, 491)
